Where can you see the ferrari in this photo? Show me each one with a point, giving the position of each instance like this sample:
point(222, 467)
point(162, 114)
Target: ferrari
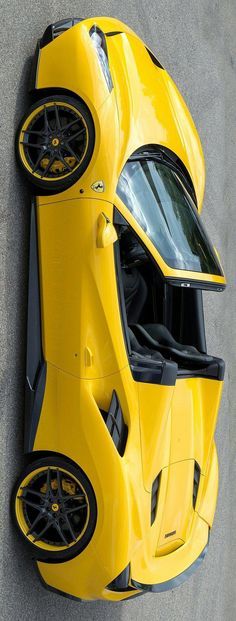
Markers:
point(119, 489)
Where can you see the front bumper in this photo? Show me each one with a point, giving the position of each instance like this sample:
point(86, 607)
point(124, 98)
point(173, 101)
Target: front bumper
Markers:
point(137, 589)
point(54, 578)
point(174, 582)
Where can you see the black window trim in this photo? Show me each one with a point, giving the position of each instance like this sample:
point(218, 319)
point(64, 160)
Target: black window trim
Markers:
point(160, 154)
point(169, 158)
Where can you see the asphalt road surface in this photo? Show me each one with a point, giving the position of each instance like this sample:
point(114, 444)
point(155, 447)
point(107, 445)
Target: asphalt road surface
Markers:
point(195, 40)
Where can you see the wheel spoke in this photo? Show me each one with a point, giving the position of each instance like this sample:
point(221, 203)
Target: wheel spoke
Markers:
point(33, 131)
point(59, 530)
point(61, 158)
point(30, 503)
point(48, 483)
point(43, 531)
point(51, 118)
point(58, 124)
point(75, 497)
point(67, 511)
point(33, 491)
point(75, 135)
point(30, 144)
point(69, 125)
point(42, 153)
point(47, 128)
point(59, 489)
point(49, 518)
point(48, 166)
point(67, 147)
point(35, 522)
point(68, 524)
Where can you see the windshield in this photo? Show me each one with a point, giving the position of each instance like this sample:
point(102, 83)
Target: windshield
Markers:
point(160, 203)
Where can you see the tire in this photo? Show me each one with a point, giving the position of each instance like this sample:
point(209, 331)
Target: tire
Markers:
point(57, 129)
point(50, 492)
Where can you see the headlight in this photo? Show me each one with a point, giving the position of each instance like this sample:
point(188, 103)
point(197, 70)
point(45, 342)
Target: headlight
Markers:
point(99, 42)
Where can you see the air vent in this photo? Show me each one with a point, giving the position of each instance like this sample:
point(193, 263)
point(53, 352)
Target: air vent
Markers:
point(115, 424)
point(99, 43)
point(121, 583)
point(154, 500)
point(113, 33)
point(196, 481)
point(59, 27)
point(54, 30)
point(154, 59)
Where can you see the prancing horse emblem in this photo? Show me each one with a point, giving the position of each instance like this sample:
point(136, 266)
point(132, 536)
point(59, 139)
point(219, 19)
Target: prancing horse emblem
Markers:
point(98, 186)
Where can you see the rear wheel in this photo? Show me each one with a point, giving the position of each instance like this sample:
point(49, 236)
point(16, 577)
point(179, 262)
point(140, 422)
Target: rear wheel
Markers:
point(55, 509)
point(55, 142)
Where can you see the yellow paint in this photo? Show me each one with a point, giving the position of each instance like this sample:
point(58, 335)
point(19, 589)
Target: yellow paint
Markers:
point(144, 107)
point(123, 533)
point(168, 427)
point(106, 233)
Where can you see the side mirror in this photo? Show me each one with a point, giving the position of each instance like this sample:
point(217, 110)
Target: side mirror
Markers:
point(106, 233)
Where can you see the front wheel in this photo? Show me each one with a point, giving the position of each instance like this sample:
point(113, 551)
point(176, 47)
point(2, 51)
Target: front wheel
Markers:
point(54, 142)
point(54, 507)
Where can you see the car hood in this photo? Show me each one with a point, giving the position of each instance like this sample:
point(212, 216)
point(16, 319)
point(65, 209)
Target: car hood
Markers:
point(144, 107)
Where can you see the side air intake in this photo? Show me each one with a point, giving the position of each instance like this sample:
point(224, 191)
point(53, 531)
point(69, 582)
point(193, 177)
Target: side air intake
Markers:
point(154, 498)
point(121, 583)
point(115, 424)
point(196, 481)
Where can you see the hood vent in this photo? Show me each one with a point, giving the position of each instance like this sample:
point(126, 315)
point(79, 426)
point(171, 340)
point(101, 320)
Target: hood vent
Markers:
point(154, 499)
point(99, 43)
point(115, 424)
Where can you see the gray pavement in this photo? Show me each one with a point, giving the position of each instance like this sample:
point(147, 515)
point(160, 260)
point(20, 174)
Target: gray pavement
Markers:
point(195, 40)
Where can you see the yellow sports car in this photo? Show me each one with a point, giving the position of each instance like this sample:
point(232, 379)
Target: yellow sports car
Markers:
point(120, 485)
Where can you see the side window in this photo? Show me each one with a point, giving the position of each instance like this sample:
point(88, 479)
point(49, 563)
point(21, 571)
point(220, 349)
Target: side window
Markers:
point(155, 195)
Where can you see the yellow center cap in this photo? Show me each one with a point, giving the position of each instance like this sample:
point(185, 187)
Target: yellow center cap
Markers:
point(55, 507)
point(55, 142)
